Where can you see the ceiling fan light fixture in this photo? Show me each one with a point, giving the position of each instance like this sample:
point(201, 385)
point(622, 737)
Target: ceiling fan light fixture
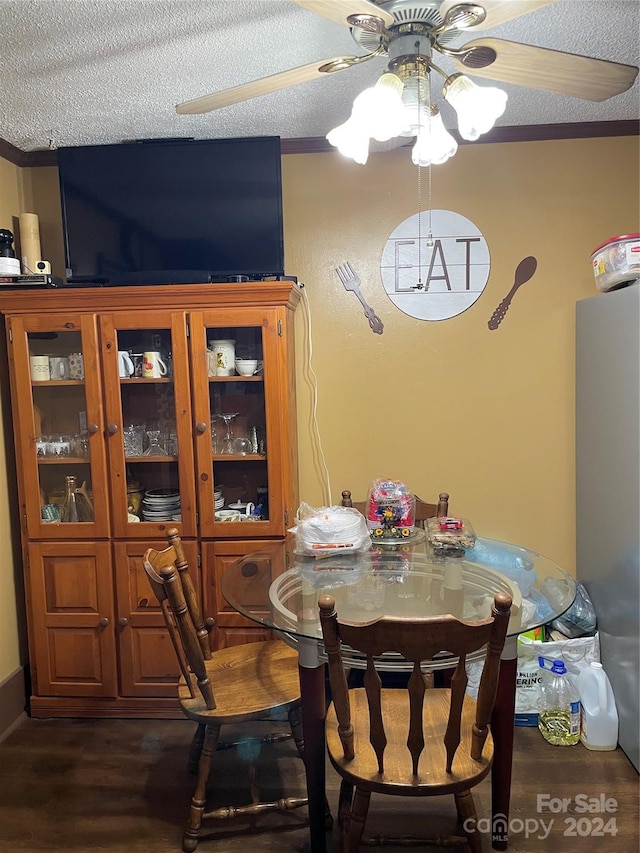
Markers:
point(434, 143)
point(477, 107)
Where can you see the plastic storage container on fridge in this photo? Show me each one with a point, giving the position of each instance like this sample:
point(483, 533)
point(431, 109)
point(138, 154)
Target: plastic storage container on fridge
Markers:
point(599, 716)
point(617, 261)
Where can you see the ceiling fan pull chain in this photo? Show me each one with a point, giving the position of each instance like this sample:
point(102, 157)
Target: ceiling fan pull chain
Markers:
point(429, 211)
point(419, 285)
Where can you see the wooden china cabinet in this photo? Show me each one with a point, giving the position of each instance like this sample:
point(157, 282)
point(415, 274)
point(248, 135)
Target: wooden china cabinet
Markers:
point(107, 462)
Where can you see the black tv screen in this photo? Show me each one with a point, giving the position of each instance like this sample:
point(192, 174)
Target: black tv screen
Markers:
point(154, 211)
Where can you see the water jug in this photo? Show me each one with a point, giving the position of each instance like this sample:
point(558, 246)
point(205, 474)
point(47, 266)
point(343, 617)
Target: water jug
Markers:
point(599, 717)
point(559, 713)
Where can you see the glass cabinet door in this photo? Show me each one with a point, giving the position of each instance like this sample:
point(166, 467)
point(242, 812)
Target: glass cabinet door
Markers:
point(59, 426)
point(237, 378)
point(148, 423)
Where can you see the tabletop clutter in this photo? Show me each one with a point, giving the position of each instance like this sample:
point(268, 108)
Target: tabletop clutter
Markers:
point(561, 686)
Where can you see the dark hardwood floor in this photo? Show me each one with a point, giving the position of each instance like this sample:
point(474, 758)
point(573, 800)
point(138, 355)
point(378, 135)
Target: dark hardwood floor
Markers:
point(122, 786)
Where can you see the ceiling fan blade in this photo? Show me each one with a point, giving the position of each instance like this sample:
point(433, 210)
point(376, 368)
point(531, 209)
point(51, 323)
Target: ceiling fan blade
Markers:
point(497, 11)
point(541, 68)
point(339, 10)
point(265, 85)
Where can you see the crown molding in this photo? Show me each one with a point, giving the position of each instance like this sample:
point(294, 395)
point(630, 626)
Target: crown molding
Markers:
point(317, 144)
point(523, 133)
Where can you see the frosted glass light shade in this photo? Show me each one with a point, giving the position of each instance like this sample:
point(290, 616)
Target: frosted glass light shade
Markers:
point(434, 143)
point(377, 113)
point(478, 107)
point(350, 141)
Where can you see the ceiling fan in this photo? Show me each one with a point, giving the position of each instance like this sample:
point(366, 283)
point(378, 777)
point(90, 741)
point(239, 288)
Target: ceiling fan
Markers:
point(382, 26)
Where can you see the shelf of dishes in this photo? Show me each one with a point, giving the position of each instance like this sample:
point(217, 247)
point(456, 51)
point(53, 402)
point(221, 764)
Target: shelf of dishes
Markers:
point(75, 503)
point(56, 368)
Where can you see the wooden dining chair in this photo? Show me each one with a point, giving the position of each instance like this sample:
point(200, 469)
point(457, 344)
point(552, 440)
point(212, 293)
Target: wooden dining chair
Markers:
point(423, 509)
point(426, 744)
point(237, 685)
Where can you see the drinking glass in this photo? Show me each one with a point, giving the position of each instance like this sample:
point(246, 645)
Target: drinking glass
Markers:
point(228, 443)
point(132, 439)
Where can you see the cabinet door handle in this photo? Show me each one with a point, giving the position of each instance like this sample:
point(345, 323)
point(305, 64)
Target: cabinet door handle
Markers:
point(112, 429)
point(209, 622)
point(92, 428)
point(201, 427)
point(104, 622)
point(123, 621)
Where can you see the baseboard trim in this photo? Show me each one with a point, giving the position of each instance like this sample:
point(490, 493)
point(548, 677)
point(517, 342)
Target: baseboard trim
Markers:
point(12, 702)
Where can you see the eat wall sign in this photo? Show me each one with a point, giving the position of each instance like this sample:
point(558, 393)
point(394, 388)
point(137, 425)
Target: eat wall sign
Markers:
point(436, 267)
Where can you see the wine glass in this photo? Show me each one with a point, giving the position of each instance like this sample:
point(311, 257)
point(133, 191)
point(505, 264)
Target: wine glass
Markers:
point(228, 443)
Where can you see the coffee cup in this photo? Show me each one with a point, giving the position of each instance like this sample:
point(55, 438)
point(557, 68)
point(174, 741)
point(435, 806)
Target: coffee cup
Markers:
point(58, 367)
point(228, 515)
point(246, 366)
point(39, 368)
point(153, 367)
point(76, 365)
point(125, 365)
point(137, 359)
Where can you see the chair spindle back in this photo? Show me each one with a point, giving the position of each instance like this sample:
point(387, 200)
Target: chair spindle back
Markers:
point(416, 640)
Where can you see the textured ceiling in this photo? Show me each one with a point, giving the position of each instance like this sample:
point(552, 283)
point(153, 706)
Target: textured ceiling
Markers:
point(82, 72)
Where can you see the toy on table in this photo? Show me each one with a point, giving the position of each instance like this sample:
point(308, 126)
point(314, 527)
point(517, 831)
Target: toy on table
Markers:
point(390, 510)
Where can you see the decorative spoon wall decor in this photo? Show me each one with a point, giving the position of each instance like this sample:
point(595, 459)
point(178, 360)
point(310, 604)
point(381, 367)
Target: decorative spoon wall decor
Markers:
point(524, 272)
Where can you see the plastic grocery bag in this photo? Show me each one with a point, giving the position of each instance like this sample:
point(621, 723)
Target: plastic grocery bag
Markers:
point(329, 529)
point(576, 653)
point(580, 619)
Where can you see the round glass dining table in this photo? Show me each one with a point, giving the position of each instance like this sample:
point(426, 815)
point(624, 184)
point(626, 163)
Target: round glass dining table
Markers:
point(279, 589)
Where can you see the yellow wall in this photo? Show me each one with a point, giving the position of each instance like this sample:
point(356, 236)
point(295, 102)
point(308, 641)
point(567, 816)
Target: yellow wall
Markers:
point(448, 405)
point(485, 415)
point(10, 654)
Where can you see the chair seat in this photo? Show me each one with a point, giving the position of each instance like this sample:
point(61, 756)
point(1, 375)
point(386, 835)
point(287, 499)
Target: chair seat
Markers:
point(259, 678)
point(397, 778)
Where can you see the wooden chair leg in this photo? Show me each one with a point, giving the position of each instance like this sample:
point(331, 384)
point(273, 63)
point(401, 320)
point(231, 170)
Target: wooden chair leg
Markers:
point(344, 810)
point(357, 818)
point(199, 799)
point(195, 750)
point(468, 817)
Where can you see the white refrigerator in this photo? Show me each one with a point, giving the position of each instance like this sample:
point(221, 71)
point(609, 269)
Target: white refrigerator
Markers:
point(608, 488)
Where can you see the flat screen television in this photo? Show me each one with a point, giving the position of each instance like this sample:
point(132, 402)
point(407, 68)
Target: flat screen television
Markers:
point(177, 210)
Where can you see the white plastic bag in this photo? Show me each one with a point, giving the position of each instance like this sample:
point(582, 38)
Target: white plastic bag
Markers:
point(576, 653)
point(328, 529)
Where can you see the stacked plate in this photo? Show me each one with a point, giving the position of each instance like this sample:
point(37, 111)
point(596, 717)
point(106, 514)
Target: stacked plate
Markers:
point(218, 498)
point(160, 505)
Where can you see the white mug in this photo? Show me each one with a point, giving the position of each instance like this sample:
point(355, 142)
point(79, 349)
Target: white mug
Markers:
point(125, 365)
point(39, 368)
point(59, 367)
point(153, 367)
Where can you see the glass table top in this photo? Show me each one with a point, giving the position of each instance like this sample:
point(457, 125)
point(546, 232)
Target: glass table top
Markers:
point(279, 589)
